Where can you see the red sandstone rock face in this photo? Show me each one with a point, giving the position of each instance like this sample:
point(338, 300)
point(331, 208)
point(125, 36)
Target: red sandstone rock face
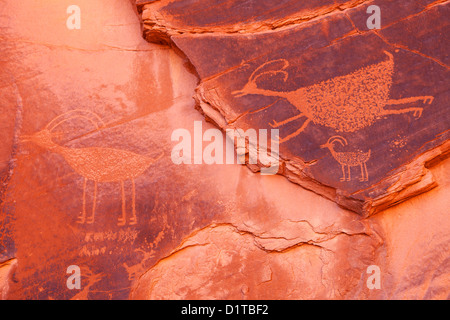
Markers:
point(202, 231)
point(164, 19)
point(297, 252)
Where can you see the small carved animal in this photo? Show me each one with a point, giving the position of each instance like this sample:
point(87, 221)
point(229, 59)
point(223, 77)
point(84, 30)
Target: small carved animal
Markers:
point(349, 159)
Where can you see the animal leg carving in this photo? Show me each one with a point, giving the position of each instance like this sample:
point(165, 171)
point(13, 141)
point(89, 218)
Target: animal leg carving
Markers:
point(363, 178)
point(133, 219)
point(296, 133)
point(123, 218)
point(367, 174)
point(349, 177)
point(91, 219)
point(425, 99)
point(417, 110)
point(277, 124)
point(82, 218)
point(343, 172)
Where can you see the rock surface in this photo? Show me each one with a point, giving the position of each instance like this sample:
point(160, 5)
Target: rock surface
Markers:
point(297, 253)
point(201, 231)
point(359, 121)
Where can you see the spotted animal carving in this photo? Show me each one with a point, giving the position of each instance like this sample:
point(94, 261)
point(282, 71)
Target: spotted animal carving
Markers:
point(96, 163)
point(345, 103)
point(348, 158)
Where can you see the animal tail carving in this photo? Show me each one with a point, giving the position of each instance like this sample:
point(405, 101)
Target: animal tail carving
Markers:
point(391, 57)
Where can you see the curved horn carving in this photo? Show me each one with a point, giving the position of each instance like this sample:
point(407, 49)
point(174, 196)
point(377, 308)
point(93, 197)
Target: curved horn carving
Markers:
point(281, 70)
point(77, 113)
point(339, 139)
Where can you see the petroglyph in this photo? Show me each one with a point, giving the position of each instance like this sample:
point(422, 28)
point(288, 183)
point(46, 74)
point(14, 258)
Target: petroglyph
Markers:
point(349, 159)
point(345, 103)
point(96, 163)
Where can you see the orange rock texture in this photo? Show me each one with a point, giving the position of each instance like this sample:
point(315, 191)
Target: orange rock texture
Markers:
point(95, 174)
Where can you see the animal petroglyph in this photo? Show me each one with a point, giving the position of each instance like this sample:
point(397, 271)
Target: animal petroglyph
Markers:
point(345, 103)
point(349, 159)
point(96, 163)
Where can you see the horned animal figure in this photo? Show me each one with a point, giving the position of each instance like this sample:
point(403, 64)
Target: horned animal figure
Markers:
point(95, 163)
point(349, 159)
point(345, 103)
